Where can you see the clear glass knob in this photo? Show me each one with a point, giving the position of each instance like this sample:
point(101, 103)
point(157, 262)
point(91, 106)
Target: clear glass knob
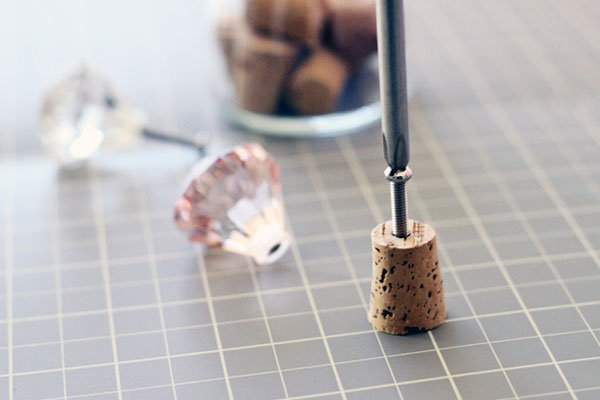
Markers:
point(82, 114)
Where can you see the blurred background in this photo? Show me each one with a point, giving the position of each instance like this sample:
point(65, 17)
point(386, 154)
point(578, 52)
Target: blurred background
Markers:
point(164, 58)
point(103, 298)
point(161, 57)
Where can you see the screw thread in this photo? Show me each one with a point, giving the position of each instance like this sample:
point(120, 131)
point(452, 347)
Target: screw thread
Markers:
point(398, 200)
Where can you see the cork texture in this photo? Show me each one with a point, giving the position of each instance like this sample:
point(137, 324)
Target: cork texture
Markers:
point(353, 28)
point(317, 84)
point(407, 293)
point(298, 20)
point(259, 70)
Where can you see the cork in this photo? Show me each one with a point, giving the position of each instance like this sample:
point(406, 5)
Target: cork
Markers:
point(317, 84)
point(352, 30)
point(260, 67)
point(407, 293)
point(297, 20)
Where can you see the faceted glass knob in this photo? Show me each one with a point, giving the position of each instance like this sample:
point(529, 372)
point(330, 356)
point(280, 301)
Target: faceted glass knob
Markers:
point(235, 202)
point(82, 114)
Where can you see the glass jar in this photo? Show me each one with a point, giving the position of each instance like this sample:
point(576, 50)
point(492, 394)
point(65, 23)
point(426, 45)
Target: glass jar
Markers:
point(299, 67)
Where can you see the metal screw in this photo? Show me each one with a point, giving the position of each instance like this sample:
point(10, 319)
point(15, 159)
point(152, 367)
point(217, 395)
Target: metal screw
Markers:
point(199, 141)
point(398, 199)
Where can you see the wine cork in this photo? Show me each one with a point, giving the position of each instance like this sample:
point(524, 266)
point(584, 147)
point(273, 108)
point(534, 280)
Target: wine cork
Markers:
point(407, 293)
point(298, 20)
point(352, 28)
point(259, 69)
point(317, 84)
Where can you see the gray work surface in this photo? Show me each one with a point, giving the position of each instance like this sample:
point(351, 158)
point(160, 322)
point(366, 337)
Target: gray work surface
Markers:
point(102, 298)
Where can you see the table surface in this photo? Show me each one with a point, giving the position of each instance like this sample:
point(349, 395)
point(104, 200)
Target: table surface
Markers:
point(102, 298)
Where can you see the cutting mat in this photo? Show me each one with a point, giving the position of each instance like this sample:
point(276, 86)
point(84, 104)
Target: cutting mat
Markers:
point(101, 297)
